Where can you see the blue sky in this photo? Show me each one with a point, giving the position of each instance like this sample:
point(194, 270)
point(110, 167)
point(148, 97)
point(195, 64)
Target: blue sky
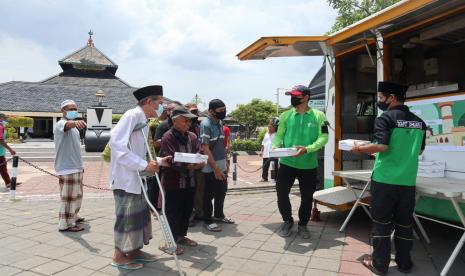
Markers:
point(187, 46)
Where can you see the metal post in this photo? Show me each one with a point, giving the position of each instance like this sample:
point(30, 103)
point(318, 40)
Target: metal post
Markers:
point(234, 155)
point(273, 169)
point(14, 174)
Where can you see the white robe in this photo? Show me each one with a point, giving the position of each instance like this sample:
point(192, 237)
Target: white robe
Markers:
point(125, 164)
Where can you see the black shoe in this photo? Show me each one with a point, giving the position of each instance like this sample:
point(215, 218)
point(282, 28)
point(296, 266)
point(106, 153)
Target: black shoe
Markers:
point(405, 270)
point(286, 227)
point(303, 232)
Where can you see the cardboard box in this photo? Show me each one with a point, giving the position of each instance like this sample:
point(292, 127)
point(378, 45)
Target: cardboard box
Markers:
point(192, 158)
point(283, 152)
point(349, 144)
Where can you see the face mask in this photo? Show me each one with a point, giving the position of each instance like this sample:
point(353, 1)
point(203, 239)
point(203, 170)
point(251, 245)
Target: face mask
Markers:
point(220, 115)
point(71, 115)
point(160, 110)
point(382, 105)
point(295, 101)
point(4, 123)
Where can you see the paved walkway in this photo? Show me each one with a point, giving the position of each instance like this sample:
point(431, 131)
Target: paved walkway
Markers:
point(31, 245)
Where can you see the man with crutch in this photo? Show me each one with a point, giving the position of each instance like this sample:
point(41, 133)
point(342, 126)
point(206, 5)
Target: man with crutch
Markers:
point(133, 228)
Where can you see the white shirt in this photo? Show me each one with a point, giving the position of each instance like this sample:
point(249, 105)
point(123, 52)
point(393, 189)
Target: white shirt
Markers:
point(124, 163)
point(267, 144)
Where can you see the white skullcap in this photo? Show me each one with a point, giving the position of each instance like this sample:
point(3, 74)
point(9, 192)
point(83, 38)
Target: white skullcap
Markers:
point(66, 102)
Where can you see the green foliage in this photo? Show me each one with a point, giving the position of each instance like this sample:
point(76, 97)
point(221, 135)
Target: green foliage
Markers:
point(18, 121)
point(12, 133)
point(115, 118)
point(245, 145)
point(261, 135)
point(106, 153)
point(351, 11)
point(254, 114)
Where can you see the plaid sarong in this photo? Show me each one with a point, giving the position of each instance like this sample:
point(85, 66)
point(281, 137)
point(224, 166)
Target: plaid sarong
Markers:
point(71, 199)
point(133, 227)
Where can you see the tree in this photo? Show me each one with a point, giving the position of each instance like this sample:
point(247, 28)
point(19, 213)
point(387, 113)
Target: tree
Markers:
point(351, 11)
point(254, 114)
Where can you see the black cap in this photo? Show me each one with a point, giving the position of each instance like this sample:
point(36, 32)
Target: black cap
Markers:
point(299, 90)
point(216, 103)
point(181, 111)
point(144, 92)
point(3, 116)
point(392, 88)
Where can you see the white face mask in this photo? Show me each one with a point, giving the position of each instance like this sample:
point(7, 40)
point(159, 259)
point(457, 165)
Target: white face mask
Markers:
point(160, 109)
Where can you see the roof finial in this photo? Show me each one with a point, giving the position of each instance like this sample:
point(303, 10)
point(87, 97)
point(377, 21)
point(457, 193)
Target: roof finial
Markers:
point(90, 42)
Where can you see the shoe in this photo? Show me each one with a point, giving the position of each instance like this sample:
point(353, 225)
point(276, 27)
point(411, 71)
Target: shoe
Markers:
point(303, 232)
point(286, 227)
point(263, 180)
point(405, 270)
point(367, 261)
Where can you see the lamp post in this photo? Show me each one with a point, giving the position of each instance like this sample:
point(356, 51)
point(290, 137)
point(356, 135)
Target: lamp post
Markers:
point(100, 95)
point(277, 98)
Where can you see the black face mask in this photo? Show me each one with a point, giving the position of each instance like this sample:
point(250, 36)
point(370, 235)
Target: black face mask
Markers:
point(382, 105)
point(220, 115)
point(295, 101)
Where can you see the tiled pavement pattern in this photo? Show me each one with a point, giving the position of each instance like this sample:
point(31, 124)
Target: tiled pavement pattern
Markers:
point(31, 245)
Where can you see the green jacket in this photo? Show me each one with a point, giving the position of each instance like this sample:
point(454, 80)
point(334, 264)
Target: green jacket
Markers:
point(307, 130)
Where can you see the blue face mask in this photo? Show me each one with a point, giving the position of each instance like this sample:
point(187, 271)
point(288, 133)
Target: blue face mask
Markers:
point(4, 123)
point(71, 115)
point(160, 110)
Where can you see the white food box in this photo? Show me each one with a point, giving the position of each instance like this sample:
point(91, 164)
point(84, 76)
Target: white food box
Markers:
point(283, 152)
point(431, 168)
point(349, 144)
point(193, 158)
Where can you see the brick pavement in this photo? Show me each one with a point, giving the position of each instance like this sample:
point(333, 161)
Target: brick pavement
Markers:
point(31, 245)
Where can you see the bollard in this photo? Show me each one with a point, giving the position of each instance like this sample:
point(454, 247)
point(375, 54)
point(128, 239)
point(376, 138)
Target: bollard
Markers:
point(273, 169)
point(13, 178)
point(234, 154)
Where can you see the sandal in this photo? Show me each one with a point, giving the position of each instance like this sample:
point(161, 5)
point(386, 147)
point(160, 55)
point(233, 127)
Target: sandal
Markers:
point(80, 220)
point(224, 220)
point(213, 227)
point(72, 229)
point(145, 258)
point(367, 261)
point(179, 250)
point(187, 241)
point(128, 266)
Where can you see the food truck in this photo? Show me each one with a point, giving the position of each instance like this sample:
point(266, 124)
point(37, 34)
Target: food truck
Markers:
point(420, 43)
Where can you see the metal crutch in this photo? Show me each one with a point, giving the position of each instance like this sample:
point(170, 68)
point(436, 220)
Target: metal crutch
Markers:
point(164, 225)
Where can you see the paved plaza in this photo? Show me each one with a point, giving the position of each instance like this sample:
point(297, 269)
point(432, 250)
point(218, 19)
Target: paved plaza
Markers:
point(31, 245)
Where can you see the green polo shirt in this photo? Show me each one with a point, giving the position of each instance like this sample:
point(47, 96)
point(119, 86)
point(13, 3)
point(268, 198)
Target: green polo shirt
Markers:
point(404, 133)
point(307, 130)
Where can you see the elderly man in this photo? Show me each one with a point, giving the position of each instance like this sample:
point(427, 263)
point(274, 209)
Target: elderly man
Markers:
point(178, 179)
point(69, 166)
point(133, 228)
point(3, 146)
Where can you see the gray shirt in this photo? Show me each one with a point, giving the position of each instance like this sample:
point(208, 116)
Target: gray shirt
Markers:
point(211, 134)
point(67, 149)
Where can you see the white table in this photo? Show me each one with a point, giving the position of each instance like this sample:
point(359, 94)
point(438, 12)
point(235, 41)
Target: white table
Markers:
point(441, 188)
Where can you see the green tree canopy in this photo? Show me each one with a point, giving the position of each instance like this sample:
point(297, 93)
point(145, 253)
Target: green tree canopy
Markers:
point(351, 11)
point(254, 114)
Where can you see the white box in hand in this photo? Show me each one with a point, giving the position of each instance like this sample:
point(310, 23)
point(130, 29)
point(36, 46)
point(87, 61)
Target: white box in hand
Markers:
point(193, 158)
point(349, 144)
point(283, 152)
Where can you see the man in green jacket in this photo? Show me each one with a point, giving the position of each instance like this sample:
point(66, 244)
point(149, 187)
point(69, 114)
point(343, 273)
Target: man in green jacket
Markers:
point(304, 128)
point(399, 137)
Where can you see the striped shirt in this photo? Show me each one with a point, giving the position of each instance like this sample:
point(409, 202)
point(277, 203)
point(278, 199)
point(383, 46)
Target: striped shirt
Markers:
point(212, 134)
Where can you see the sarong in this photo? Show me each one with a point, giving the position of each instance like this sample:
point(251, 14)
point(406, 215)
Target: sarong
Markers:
point(133, 227)
point(71, 199)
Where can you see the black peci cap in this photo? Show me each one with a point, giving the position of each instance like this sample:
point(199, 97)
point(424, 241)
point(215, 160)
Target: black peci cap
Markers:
point(144, 92)
point(392, 88)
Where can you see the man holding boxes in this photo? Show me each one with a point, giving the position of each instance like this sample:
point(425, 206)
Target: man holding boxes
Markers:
point(305, 129)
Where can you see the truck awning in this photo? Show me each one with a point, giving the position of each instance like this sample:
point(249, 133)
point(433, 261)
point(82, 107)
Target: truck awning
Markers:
point(284, 46)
